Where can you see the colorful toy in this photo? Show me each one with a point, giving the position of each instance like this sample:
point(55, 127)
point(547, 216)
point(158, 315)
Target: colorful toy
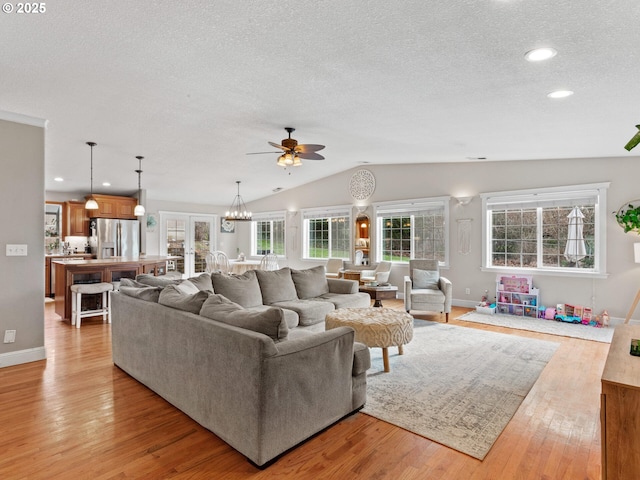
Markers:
point(549, 313)
point(568, 318)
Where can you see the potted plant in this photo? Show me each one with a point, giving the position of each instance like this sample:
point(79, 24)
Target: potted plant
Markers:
point(628, 217)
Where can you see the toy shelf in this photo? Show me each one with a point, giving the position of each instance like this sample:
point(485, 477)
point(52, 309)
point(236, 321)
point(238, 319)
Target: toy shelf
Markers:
point(514, 303)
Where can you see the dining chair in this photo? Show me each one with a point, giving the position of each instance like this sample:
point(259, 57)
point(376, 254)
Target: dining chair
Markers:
point(269, 262)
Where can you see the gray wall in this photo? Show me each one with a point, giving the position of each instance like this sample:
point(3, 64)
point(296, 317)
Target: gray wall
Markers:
point(614, 293)
point(22, 218)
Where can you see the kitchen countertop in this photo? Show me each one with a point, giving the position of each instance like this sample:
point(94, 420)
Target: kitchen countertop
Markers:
point(114, 260)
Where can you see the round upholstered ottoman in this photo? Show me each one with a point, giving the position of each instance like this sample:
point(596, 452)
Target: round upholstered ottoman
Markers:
point(375, 327)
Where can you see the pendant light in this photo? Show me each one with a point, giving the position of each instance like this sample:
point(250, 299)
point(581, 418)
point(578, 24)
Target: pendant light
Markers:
point(238, 210)
point(91, 202)
point(139, 210)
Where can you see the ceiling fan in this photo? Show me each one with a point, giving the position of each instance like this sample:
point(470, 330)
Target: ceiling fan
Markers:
point(293, 153)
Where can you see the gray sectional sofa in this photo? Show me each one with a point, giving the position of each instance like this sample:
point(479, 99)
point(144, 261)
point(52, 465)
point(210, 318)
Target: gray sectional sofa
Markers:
point(263, 378)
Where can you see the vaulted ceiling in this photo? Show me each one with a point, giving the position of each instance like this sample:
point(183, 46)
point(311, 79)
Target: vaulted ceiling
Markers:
point(195, 86)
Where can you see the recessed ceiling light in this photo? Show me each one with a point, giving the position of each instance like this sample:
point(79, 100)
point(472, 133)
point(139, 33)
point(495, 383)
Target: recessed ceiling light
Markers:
point(58, 179)
point(540, 54)
point(560, 94)
point(106, 184)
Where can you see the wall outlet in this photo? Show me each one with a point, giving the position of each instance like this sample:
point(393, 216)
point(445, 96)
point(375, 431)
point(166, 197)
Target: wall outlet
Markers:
point(16, 250)
point(9, 336)
point(467, 291)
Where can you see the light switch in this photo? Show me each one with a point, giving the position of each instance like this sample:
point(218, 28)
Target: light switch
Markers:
point(16, 250)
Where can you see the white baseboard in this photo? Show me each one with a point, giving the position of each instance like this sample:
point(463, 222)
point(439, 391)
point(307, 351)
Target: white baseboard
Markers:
point(22, 356)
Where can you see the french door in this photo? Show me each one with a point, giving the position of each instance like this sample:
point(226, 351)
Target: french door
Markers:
point(188, 237)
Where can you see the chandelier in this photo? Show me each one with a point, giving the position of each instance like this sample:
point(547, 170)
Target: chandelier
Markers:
point(238, 210)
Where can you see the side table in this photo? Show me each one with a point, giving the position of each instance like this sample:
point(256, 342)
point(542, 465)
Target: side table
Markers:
point(380, 293)
point(351, 275)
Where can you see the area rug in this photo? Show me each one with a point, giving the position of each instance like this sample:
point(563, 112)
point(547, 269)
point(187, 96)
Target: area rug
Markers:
point(552, 327)
point(454, 385)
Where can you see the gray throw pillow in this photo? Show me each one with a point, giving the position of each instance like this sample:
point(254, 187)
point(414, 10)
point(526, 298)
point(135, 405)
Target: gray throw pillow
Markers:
point(129, 282)
point(202, 282)
point(426, 279)
point(185, 286)
point(171, 296)
point(310, 283)
point(160, 281)
point(218, 305)
point(276, 286)
point(149, 294)
point(269, 322)
point(242, 289)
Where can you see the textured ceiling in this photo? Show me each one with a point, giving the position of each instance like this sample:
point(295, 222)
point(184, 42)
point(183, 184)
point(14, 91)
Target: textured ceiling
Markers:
point(194, 86)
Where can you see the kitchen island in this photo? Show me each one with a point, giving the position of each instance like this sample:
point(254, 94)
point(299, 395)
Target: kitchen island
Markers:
point(70, 271)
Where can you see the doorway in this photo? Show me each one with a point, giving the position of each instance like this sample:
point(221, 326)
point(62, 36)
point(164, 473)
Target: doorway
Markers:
point(188, 237)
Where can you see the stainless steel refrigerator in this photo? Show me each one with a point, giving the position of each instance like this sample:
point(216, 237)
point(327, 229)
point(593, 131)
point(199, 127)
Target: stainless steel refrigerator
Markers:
point(115, 238)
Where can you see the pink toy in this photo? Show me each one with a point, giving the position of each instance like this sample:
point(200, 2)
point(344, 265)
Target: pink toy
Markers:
point(549, 313)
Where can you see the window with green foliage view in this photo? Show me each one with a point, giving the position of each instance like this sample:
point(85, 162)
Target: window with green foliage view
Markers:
point(268, 237)
point(415, 230)
point(555, 229)
point(326, 235)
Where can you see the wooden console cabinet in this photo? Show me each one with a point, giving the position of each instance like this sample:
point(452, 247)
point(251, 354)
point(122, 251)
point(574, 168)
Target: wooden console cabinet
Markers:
point(620, 408)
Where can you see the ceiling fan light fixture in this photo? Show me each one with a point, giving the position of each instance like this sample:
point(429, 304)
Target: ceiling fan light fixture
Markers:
point(296, 161)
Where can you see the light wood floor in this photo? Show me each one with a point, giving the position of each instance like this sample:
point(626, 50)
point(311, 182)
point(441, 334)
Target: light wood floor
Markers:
point(76, 416)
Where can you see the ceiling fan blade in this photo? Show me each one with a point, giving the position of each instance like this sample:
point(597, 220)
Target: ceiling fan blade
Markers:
point(259, 153)
point(279, 146)
point(310, 156)
point(307, 148)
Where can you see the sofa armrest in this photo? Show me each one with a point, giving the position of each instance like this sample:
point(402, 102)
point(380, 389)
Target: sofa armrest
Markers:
point(361, 359)
point(341, 285)
point(407, 292)
point(298, 344)
point(447, 288)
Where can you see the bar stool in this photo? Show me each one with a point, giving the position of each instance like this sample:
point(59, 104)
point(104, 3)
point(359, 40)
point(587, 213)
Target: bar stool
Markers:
point(78, 289)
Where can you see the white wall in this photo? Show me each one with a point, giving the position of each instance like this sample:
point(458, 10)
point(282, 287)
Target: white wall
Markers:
point(22, 218)
point(614, 293)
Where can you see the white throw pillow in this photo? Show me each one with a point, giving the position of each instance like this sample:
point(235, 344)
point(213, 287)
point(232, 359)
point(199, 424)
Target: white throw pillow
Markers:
point(426, 279)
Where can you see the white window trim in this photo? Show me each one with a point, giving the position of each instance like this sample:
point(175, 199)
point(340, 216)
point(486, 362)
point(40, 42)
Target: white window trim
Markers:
point(600, 259)
point(408, 206)
point(323, 212)
point(267, 216)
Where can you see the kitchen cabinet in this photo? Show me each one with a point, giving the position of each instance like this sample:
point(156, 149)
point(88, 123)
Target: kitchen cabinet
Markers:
point(619, 407)
point(111, 206)
point(49, 276)
point(77, 220)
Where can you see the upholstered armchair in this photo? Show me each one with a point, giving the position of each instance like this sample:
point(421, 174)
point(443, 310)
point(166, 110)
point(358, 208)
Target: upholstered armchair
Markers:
point(380, 274)
point(425, 289)
point(333, 268)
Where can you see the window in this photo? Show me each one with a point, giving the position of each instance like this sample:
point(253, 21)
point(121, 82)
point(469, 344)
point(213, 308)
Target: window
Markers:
point(413, 229)
point(560, 229)
point(267, 234)
point(327, 233)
